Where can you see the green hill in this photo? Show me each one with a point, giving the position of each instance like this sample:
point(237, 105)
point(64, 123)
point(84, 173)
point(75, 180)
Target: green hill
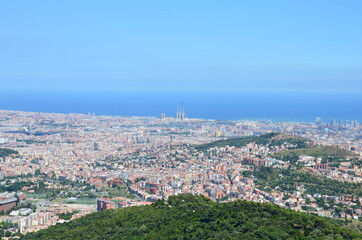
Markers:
point(4, 152)
point(325, 152)
point(196, 217)
point(298, 146)
point(288, 180)
point(270, 139)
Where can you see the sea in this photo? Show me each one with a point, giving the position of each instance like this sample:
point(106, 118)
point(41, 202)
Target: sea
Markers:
point(219, 105)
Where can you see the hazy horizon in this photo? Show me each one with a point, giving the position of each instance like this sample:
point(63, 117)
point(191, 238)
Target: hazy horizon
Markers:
point(276, 106)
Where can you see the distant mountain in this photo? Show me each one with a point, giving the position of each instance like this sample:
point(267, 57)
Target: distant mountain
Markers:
point(269, 139)
point(195, 217)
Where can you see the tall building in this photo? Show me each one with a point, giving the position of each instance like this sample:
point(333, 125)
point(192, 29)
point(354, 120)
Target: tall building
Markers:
point(333, 123)
point(347, 123)
point(180, 115)
point(355, 124)
point(95, 146)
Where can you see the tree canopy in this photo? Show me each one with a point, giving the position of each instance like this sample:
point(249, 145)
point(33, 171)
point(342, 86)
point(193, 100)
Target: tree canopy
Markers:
point(188, 216)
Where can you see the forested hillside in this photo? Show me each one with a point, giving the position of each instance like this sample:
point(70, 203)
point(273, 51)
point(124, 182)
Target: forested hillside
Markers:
point(326, 152)
point(270, 139)
point(196, 217)
point(287, 180)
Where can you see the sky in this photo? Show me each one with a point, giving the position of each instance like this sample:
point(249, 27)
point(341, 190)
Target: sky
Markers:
point(184, 45)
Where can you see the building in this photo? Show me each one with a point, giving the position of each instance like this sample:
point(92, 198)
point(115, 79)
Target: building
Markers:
point(180, 115)
point(105, 204)
point(115, 182)
point(7, 201)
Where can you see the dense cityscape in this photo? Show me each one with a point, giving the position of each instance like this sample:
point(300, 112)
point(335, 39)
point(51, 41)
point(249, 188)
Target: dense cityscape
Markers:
point(58, 167)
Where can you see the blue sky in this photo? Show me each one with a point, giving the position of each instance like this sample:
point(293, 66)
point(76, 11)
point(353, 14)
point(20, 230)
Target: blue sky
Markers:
point(182, 45)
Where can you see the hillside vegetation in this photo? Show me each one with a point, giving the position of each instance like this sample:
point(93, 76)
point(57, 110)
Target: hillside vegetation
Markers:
point(325, 152)
point(270, 139)
point(196, 217)
point(4, 152)
point(298, 146)
point(288, 180)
